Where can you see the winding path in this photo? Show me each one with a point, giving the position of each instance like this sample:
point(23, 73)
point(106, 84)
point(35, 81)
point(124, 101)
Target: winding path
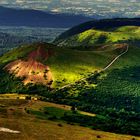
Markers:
point(104, 69)
point(116, 58)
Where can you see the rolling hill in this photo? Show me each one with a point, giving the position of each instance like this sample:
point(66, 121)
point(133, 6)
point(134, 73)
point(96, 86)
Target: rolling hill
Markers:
point(103, 24)
point(65, 65)
point(49, 64)
point(94, 38)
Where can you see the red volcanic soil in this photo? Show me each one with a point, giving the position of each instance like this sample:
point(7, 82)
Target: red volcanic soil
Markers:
point(40, 53)
point(31, 70)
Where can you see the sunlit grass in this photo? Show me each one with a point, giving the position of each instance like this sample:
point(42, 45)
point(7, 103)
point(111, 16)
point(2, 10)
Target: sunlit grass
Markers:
point(66, 65)
point(95, 37)
point(69, 65)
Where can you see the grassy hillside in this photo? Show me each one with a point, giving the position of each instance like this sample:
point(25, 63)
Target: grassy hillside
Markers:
point(32, 127)
point(103, 24)
point(66, 65)
point(97, 37)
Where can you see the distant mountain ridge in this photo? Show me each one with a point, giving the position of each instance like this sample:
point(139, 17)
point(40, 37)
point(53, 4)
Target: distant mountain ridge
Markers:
point(36, 18)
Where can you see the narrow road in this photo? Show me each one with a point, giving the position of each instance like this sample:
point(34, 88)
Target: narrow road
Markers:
point(104, 69)
point(116, 58)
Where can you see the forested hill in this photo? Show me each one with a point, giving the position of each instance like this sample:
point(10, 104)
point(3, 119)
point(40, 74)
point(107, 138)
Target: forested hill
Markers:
point(28, 17)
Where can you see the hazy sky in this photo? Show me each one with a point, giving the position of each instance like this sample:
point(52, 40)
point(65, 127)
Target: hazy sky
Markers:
point(87, 7)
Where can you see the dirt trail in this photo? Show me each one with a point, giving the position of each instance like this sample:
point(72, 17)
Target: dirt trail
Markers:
point(116, 58)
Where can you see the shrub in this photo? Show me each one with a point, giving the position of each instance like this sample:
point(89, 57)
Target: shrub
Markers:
point(98, 136)
point(60, 125)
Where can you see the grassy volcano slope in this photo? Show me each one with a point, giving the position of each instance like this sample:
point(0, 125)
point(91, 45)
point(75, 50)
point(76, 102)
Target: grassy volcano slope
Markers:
point(66, 65)
point(21, 52)
point(97, 37)
point(70, 65)
point(102, 24)
point(31, 69)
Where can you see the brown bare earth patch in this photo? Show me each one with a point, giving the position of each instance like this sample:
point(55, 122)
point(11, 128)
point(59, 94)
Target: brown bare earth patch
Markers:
point(40, 53)
point(121, 46)
point(117, 47)
point(31, 70)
